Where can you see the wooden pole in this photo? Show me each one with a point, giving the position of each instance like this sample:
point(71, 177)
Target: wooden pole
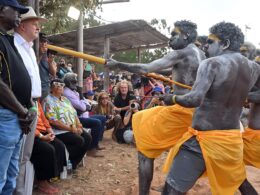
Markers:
point(106, 55)
point(162, 78)
point(88, 57)
point(80, 49)
point(138, 55)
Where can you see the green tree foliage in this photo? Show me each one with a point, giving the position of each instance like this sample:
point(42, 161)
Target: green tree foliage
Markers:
point(147, 55)
point(56, 13)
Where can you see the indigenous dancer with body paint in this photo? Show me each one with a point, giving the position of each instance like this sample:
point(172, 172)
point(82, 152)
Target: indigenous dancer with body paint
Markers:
point(159, 128)
point(251, 136)
point(214, 142)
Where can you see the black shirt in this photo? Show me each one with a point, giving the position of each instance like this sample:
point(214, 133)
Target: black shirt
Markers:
point(13, 71)
point(120, 103)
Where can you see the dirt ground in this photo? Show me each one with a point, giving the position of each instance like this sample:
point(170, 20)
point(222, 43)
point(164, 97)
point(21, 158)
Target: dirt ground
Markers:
point(116, 174)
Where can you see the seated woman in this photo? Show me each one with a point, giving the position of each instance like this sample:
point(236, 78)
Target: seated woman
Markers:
point(107, 108)
point(83, 106)
point(48, 155)
point(67, 127)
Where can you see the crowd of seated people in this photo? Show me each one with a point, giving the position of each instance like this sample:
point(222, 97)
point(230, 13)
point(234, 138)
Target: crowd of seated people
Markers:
point(66, 114)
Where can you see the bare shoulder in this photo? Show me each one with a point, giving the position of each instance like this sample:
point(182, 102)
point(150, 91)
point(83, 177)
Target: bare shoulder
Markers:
point(254, 73)
point(211, 63)
point(191, 49)
point(191, 53)
point(255, 66)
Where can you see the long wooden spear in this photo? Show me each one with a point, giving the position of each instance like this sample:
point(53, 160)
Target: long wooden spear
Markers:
point(103, 61)
point(77, 54)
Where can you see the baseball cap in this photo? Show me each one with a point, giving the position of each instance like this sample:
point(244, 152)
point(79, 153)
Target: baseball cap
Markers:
point(90, 93)
point(14, 4)
point(157, 89)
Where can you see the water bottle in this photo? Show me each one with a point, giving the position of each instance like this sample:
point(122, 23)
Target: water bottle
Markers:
point(69, 170)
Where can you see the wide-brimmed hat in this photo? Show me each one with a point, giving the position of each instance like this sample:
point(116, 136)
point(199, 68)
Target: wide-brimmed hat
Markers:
point(31, 15)
point(14, 4)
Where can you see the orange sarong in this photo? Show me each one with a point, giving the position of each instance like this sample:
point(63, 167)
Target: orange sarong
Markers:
point(251, 140)
point(158, 129)
point(223, 154)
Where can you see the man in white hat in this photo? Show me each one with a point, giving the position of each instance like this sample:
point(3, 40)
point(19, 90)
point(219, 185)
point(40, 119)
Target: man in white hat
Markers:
point(24, 35)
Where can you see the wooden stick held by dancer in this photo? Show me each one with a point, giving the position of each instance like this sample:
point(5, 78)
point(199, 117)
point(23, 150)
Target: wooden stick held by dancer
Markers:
point(103, 61)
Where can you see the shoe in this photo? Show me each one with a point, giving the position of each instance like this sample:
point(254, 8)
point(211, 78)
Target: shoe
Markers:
point(100, 148)
point(47, 188)
point(93, 153)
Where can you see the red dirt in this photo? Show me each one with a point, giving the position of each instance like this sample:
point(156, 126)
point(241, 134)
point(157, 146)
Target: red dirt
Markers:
point(116, 174)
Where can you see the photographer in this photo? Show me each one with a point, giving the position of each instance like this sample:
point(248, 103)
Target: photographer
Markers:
point(144, 88)
point(125, 135)
point(155, 101)
point(123, 98)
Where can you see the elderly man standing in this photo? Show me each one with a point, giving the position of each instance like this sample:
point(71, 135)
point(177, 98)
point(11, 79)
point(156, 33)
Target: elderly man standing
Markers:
point(15, 95)
point(24, 35)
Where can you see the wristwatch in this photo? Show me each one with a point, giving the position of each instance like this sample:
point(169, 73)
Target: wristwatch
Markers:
point(40, 136)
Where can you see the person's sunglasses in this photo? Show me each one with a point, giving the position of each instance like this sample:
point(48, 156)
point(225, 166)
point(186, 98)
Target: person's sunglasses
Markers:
point(210, 41)
point(57, 84)
point(173, 33)
point(73, 81)
point(104, 98)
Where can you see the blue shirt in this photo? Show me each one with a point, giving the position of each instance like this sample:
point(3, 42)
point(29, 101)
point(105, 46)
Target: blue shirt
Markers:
point(44, 72)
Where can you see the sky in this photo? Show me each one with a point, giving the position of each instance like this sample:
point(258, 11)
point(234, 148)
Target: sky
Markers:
point(205, 13)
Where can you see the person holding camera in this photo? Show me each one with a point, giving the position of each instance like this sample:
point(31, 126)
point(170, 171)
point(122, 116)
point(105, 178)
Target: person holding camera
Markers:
point(155, 101)
point(123, 98)
point(125, 134)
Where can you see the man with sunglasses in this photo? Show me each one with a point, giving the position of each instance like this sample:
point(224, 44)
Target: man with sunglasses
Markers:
point(65, 122)
point(214, 142)
point(15, 97)
point(157, 129)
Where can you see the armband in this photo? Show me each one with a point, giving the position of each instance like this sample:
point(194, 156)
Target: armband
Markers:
point(33, 108)
point(174, 99)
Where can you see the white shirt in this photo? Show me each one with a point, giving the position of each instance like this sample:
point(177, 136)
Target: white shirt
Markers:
point(29, 59)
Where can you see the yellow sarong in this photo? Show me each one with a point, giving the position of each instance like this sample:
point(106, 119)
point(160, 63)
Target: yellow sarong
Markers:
point(251, 140)
point(158, 129)
point(223, 154)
